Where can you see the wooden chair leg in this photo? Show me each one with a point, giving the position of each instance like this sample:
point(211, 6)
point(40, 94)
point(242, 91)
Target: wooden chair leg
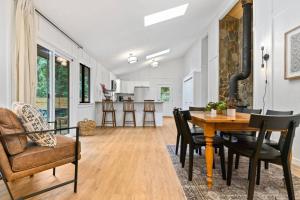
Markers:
point(144, 119)
point(103, 119)
point(183, 154)
point(222, 158)
point(114, 119)
point(288, 179)
point(249, 169)
point(177, 143)
point(237, 161)
point(153, 113)
point(229, 167)
point(266, 165)
point(134, 121)
point(53, 172)
point(258, 172)
point(252, 180)
point(124, 118)
point(191, 161)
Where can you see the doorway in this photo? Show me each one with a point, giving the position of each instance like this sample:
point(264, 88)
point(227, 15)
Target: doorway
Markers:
point(165, 95)
point(53, 86)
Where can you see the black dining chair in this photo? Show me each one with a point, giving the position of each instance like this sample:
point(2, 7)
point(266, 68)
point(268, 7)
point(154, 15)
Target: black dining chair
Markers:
point(258, 151)
point(268, 140)
point(196, 142)
point(194, 130)
point(235, 137)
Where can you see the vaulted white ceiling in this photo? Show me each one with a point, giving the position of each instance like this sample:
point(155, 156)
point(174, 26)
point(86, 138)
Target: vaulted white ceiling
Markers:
point(111, 29)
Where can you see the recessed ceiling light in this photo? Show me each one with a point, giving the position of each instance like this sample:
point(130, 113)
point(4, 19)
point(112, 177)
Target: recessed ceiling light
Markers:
point(158, 54)
point(132, 59)
point(165, 15)
point(154, 63)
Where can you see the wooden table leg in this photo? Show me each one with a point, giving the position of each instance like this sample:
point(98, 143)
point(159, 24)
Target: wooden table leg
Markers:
point(209, 133)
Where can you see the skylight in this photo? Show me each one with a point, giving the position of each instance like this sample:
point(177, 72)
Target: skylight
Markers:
point(165, 15)
point(158, 54)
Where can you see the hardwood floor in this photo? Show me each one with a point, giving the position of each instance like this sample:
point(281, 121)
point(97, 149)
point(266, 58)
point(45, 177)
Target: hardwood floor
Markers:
point(116, 164)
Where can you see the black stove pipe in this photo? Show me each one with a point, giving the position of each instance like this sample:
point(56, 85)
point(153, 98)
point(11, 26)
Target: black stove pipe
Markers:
point(247, 47)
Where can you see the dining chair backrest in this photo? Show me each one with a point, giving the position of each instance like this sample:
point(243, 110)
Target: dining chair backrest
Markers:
point(276, 113)
point(177, 119)
point(128, 105)
point(107, 105)
point(185, 116)
point(275, 123)
point(192, 108)
point(149, 106)
point(252, 111)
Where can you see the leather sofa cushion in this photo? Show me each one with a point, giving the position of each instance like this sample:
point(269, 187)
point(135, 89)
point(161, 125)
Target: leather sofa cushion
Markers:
point(9, 124)
point(36, 156)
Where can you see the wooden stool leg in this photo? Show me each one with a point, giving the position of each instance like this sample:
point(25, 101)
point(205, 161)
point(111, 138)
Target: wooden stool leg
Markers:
point(134, 122)
point(144, 119)
point(124, 119)
point(103, 119)
point(114, 119)
point(154, 119)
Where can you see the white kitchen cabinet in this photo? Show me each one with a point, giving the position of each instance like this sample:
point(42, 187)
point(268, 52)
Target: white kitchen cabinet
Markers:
point(127, 87)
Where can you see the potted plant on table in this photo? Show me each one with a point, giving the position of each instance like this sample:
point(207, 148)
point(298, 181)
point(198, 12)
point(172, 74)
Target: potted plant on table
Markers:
point(216, 107)
point(231, 110)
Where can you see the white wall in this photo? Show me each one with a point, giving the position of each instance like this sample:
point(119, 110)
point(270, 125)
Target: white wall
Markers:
point(272, 18)
point(6, 10)
point(285, 93)
point(50, 37)
point(170, 73)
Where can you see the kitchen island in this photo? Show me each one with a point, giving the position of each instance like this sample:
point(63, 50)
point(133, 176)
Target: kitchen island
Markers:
point(139, 113)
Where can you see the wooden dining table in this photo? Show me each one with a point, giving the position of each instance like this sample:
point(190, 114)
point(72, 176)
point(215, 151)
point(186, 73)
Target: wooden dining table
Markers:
point(210, 125)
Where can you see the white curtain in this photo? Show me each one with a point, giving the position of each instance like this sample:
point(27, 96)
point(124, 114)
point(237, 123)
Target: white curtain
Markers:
point(24, 71)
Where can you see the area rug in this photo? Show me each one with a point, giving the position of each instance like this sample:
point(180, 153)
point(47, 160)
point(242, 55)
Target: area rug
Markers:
point(271, 186)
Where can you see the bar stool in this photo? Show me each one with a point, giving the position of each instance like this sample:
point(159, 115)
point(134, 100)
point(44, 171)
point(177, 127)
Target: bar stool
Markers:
point(128, 107)
point(149, 107)
point(108, 107)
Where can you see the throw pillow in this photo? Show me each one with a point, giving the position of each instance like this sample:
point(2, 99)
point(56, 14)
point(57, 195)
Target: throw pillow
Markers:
point(33, 120)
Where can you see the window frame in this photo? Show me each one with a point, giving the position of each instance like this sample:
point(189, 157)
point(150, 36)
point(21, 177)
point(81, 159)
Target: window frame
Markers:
point(82, 78)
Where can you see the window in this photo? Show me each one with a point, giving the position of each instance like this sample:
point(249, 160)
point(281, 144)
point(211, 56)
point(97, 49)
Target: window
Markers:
point(85, 96)
point(165, 94)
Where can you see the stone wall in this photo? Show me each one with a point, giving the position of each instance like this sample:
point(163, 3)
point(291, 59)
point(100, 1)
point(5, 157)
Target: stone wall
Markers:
point(230, 54)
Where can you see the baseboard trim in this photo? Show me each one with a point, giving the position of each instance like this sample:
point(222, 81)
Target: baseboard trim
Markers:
point(296, 162)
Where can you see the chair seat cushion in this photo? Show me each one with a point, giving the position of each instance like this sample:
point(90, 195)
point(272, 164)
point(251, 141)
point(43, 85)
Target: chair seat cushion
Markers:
point(35, 156)
point(10, 124)
point(247, 148)
point(200, 140)
point(197, 131)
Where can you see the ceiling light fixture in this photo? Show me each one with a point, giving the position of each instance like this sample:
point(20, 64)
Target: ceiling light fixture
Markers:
point(132, 59)
point(154, 63)
point(158, 54)
point(165, 15)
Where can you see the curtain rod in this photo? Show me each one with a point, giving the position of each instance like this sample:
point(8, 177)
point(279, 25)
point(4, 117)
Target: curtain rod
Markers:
point(54, 25)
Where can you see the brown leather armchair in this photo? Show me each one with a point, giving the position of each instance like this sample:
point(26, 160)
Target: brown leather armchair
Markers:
point(20, 158)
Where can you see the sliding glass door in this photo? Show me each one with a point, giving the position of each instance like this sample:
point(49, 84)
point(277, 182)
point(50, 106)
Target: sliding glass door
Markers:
point(43, 81)
point(53, 86)
point(62, 88)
